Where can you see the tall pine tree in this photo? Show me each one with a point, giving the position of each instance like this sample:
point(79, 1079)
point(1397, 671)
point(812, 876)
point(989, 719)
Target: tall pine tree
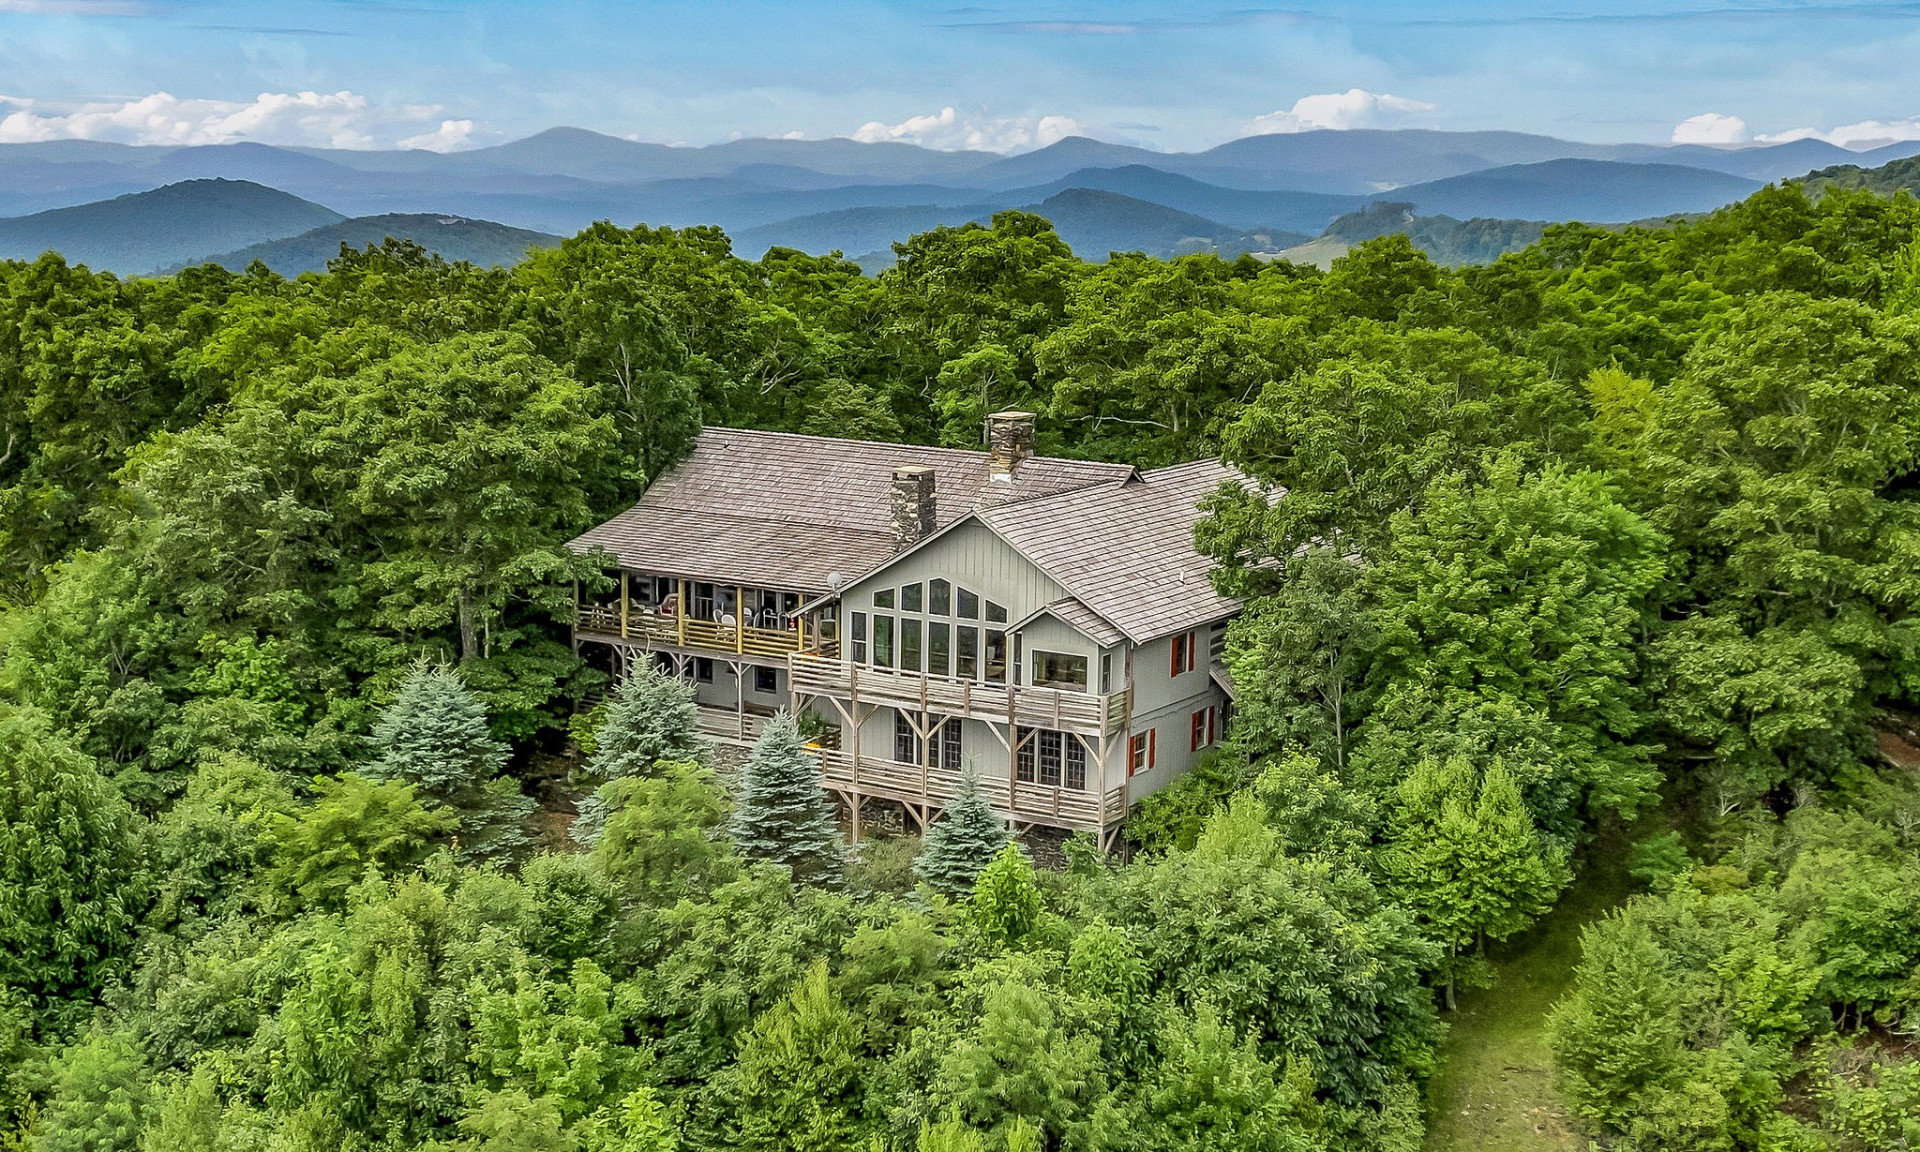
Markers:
point(963, 843)
point(650, 719)
point(434, 736)
point(781, 814)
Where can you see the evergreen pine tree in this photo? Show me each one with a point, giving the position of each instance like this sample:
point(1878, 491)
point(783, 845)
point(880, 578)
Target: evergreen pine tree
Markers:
point(781, 814)
point(434, 736)
point(650, 719)
point(965, 840)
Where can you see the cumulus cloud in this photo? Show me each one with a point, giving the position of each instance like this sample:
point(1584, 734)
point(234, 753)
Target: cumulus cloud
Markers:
point(1354, 108)
point(450, 136)
point(1710, 128)
point(948, 130)
point(326, 119)
point(1865, 134)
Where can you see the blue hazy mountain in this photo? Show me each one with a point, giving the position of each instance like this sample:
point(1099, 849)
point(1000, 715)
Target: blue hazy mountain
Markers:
point(148, 231)
point(457, 238)
point(1597, 191)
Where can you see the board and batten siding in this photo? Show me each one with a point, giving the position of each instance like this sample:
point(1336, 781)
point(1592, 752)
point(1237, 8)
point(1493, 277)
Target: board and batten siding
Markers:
point(971, 556)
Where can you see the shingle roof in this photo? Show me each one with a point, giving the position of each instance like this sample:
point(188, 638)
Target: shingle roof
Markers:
point(774, 508)
point(1125, 550)
point(1074, 614)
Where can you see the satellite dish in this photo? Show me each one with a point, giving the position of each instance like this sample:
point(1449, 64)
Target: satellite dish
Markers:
point(834, 580)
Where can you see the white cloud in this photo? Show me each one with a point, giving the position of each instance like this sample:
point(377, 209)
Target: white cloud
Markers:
point(1710, 128)
point(327, 119)
point(1354, 108)
point(947, 129)
point(450, 136)
point(1865, 134)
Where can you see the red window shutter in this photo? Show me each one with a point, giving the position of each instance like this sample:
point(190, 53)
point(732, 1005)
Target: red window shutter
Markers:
point(1193, 641)
point(1153, 746)
point(1197, 737)
point(1213, 721)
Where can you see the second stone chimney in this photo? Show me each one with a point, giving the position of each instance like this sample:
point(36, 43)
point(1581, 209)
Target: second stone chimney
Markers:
point(1009, 443)
point(913, 506)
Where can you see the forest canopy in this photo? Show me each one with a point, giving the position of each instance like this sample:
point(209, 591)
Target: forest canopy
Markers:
point(1602, 556)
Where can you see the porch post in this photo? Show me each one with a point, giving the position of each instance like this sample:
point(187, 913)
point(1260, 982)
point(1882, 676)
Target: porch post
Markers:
point(739, 619)
point(680, 615)
point(626, 600)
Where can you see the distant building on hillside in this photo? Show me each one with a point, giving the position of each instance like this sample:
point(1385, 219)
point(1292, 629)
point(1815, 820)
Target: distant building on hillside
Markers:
point(1047, 619)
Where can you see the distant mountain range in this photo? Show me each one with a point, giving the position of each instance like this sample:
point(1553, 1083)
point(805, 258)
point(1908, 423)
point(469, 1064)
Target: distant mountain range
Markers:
point(479, 242)
point(138, 209)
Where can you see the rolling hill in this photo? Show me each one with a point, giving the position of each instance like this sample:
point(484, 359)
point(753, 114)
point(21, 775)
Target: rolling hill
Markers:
point(146, 231)
point(1898, 176)
point(1597, 191)
point(1092, 221)
point(457, 238)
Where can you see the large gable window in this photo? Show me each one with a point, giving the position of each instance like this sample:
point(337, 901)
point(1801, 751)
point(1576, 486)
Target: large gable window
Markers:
point(916, 633)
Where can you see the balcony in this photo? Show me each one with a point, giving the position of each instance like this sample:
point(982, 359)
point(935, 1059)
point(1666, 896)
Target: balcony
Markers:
point(1055, 807)
point(654, 630)
point(815, 674)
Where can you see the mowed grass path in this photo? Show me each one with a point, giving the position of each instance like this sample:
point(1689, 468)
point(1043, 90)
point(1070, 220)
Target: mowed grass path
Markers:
point(1495, 1090)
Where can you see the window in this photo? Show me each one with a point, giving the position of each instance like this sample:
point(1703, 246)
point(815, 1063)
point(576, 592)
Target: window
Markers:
point(1216, 641)
point(1106, 673)
point(766, 679)
point(883, 598)
point(940, 648)
point(946, 745)
point(939, 598)
point(996, 659)
point(969, 605)
point(995, 613)
point(1140, 752)
point(966, 652)
point(909, 644)
point(860, 637)
point(1051, 759)
point(883, 641)
point(942, 743)
point(703, 605)
point(906, 742)
point(1059, 670)
point(910, 598)
point(1183, 653)
point(703, 669)
point(1205, 729)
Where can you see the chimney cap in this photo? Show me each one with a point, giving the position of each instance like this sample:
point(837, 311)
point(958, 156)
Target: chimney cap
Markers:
point(1010, 414)
point(903, 471)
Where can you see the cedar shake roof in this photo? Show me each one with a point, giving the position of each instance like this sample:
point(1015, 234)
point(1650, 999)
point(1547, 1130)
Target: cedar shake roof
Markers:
point(774, 509)
point(1125, 550)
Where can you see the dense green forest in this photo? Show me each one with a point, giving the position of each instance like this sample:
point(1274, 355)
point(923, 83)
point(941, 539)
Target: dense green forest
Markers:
point(1615, 540)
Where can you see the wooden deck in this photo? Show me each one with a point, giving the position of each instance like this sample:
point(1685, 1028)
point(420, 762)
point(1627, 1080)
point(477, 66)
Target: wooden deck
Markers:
point(729, 726)
point(704, 636)
point(934, 787)
point(824, 676)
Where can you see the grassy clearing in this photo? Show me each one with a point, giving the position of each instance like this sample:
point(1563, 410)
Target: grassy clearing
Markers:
point(1495, 1090)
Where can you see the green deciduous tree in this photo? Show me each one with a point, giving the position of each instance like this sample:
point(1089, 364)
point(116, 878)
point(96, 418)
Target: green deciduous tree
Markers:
point(70, 873)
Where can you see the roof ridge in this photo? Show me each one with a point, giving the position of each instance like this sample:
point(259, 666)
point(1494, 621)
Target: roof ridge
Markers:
point(974, 453)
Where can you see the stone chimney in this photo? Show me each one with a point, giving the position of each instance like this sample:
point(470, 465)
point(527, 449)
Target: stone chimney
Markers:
point(1009, 442)
point(913, 507)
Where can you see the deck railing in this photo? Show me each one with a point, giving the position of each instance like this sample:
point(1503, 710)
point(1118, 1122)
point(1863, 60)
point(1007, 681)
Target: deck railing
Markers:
point(651, 628)
point(1056, 807)
point(1028, 706)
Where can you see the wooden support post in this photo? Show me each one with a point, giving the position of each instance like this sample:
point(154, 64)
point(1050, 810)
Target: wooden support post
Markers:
point(1013, 754)
point(739, 619)
point(739, 696)
point(853, 801)
point(680, 613)
point(626, 600)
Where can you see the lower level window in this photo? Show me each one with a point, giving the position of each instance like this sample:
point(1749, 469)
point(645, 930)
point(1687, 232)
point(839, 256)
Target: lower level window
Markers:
point(1051, 759)
point(1140, 752)
point(766, 680)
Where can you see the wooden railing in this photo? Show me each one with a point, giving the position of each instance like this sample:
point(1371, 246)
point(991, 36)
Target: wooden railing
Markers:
point(686, 632)
point(1030, 803)
point(735, 726)
point(1030, 707)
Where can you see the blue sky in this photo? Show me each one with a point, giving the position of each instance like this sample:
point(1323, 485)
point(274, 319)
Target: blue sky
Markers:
point(1175, 76)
